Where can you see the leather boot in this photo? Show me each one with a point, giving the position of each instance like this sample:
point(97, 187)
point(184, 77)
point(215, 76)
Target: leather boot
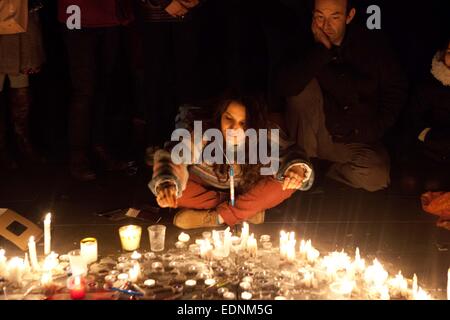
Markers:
point(6, 162)
point(20, 102)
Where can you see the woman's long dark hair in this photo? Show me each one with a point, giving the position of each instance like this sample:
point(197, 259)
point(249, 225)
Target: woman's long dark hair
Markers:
point(256, 118)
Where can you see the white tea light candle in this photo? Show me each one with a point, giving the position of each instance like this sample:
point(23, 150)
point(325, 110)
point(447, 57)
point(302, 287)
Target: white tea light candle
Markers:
point(89, 250)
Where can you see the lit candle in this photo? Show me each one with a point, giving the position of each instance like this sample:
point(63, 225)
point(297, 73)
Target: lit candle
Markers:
point(149, 283)
point(130, 237)
point(89, 250)
point(229, 295)
point(246, 295)
point(206, 250)
point(47, 233)
point(359, 264)
point(244, 235)
point(123, 277)
point(15, 270)
point(227, 242)
point(376, 274)
point(27, 263)
point(342, 288)
point(252, 245)
point(283, 242)
point(180, 245)
point(210, 282)
point(46, 279)
point(51, 262)
point(136, 255)
point(184, 237)
point(190, 284)
point(414, 286)
point(2, 263)
point(33, 255)
point(134, 272)
point(245, 286)
point(422, 295)
point(109, 279)
point(307, 279)
point(399, 285)
point(77, 288)
point(235, 240)
point(448, 284)
point(312, 255)
point(157, 265)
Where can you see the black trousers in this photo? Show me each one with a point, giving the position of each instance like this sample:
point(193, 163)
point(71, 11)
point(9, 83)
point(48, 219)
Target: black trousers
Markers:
point(92, 55)
point(170, 62)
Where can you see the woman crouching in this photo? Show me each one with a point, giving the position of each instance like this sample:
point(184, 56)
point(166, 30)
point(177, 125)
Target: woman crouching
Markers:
point(222, 188)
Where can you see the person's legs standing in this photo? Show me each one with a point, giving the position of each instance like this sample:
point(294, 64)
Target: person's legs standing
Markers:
point(20, 104)
point(186, 68)
point(157, 66)
point(81, 51)
point(108, 46)
point(6, 162)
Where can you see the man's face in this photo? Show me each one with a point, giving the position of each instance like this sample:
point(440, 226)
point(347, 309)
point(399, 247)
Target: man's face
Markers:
point(447, 56)
point(331, 16)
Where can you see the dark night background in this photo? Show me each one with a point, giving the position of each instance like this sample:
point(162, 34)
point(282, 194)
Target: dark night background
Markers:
point(240, 42)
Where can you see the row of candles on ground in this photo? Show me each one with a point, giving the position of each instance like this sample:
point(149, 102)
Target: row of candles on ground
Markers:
point(336, 268)
point(218, 244)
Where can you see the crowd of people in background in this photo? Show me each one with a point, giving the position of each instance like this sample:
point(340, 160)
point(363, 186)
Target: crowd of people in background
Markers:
point(343, 93)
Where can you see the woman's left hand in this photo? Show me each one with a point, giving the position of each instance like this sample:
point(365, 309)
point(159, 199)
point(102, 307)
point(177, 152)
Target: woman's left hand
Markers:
point(293, 178)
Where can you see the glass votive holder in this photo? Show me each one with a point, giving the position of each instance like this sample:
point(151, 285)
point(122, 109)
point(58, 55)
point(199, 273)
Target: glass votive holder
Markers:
point(157, 235)
point(267, 245)
point(89, 250)
point(130, 237)
point(78, 265)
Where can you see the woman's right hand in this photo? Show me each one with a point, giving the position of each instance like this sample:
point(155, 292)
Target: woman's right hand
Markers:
point(167, 195)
